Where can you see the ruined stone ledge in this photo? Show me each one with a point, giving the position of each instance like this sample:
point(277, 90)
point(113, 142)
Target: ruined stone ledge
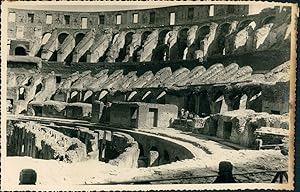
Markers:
point(41, 142)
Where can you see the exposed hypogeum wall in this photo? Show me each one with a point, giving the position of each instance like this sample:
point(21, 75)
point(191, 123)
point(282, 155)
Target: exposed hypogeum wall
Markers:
point(117, 44)
point(134, 45)
point(145, 53)
point(34, 140)
point(102, 43)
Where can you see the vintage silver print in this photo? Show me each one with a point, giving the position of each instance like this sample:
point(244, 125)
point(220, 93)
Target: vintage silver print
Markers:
point(147, 96)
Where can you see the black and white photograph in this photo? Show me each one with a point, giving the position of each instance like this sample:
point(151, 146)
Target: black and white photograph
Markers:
point(148, 95)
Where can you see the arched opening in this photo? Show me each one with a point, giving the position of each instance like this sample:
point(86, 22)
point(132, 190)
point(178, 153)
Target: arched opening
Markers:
point(123, 51)
point(45, 38)
point(161, 53)
point(255, 102)
point(161, 99)
point(21, 93)
point(190, 102)
point(204, 107)
point(243, 24)
point(104, 56)
point(87, 98)
point(143, 39)
point(20, 51)
point(154, 156)
point(219, 103)
point(223, 31)
point(74, 97)
point(182, 42)
point(142, 160)
point(38, 88)
point(203, 31)
point(148, 97)
point(78, 38)
point(268, 20)
point(103, 96)
point(61, 38)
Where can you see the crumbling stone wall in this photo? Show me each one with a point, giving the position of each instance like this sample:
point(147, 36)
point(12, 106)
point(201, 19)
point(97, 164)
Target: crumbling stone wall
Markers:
point(48, 88)
point(127, 148)
point(61, 109)
point(30, 139)
point(87, 137)
point(245, 123)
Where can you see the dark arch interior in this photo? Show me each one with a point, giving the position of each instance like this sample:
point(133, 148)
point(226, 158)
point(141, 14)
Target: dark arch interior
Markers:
point(143, 39)
point(20, 51)
point(153, 148)
point(182, 42)
point(165, 158)
point(203, 31)
point(218, 104)
point(78, 38)
point(21, 93)
point(244, 24)
point(38, 88)
point(89, 99)
point(204, 108)
point(161, 49)
point(268, 20)
point(75, 98)
point(122, 53)
point(62, 37)
point(223, 31)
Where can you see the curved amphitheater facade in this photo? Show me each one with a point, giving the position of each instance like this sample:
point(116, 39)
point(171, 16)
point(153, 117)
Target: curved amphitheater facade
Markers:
point(111, 86)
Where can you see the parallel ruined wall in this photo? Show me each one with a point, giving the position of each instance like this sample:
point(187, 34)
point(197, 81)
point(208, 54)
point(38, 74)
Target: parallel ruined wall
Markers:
point(244, 124)
point(30, 139)
point(128, 149)
point(89, 138)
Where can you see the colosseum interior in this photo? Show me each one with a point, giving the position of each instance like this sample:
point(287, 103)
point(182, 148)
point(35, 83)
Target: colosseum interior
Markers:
point(148, 96)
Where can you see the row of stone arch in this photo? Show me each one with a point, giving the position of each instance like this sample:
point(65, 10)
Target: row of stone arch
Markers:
point(160, 52)
point(203, 103)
